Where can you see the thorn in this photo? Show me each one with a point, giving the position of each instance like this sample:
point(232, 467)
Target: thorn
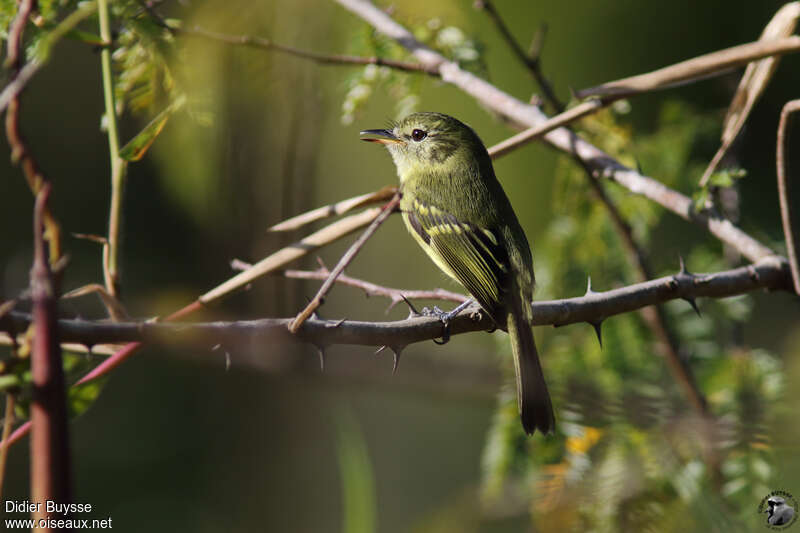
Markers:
point(598, 331)
point(380, 349)
point(751, 270)
point(336, 324)
point(396, 351)
point(683, 270)
point(693, 303)
point(639, 167)
point(412, 310)
point(321, 353)
point(589, 286)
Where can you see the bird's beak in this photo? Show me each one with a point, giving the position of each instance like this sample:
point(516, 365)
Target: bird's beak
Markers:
point(379, 136)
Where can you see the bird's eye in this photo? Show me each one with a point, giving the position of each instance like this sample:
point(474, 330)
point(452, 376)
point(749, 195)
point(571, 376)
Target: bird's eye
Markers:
point(418, 135)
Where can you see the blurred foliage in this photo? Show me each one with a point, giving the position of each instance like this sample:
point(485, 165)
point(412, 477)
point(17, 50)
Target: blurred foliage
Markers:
point(358, 486)
point(404, 87)
point(629, 454)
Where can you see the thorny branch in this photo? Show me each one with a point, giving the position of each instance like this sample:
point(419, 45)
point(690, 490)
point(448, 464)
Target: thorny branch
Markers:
point(50, 467)
point(771, 273)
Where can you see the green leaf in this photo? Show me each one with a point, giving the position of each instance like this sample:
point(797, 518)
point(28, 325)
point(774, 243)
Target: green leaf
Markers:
point(725, 178)
point(86, 37)
point(699, 198)
point(138, 146)
point(81, 397)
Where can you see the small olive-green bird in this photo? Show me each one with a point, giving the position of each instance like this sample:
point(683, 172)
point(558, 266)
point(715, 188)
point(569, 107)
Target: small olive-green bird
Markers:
point(455, 208)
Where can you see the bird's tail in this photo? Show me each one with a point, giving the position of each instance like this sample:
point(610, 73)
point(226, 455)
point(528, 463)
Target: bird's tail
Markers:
point(533, 400)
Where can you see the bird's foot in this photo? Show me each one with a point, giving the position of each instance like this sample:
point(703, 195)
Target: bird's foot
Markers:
point(445, 317)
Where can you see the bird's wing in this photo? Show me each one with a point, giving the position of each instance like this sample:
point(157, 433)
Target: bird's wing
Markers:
point(476, 256)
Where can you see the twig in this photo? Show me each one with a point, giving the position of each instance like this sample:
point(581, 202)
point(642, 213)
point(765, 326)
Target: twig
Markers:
point(771, 273)
point(50, 470)
point(372, 289)
point(26, 73)
point(322, 59)
point(754, 80)
point(118, 165)
point(303, 315)
point(530, 116)
point(8, 423)
point(116, 311)
point(339, 208)
point(19, 148)
point(784, 190)
point(697, 68)
point(532, 62)
point(562, 119)
point(294, 251)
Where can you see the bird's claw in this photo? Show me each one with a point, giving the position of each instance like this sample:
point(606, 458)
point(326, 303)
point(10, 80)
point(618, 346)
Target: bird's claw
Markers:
point(445, 317)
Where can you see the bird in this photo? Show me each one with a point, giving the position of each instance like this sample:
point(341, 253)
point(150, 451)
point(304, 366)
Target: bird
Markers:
point(457, 211)
point(778, 512)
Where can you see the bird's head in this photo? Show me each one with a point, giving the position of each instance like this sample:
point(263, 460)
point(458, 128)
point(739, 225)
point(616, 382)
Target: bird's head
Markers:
point(428, 142)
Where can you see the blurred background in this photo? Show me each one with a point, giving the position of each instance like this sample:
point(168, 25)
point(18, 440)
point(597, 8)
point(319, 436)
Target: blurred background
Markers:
point(177, 442)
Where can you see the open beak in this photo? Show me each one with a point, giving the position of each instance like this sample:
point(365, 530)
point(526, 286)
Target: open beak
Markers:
point(379, 136)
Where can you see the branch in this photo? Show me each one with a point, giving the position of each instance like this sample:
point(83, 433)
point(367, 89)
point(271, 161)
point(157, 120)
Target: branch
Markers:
point(345, 260)
point(532, 62)
point(321, 59)
point(784, 191)
point(562, 119)
point(770, 273)
point(531, 116)
point(697, 68)
point(294, 251)
point(8, 422)
point(118, 165)
point(26, 73)
point(371, 289)
point(19, 148)
point(50, 472)
point(339, 208)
